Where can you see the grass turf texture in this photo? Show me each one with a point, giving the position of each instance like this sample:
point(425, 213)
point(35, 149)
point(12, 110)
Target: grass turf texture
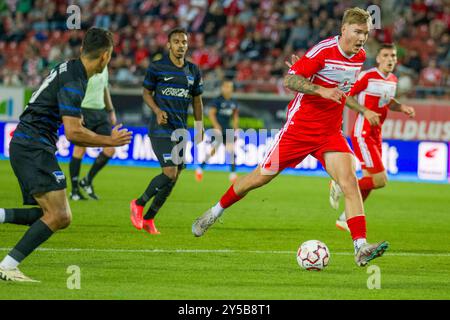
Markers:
point(262, 234)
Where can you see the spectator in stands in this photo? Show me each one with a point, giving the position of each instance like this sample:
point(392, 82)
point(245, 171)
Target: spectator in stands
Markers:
point(431, 76)
point(300, 34)
point(231, 31)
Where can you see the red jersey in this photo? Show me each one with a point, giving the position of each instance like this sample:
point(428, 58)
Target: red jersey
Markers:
point(327, 65)
point(375, 91)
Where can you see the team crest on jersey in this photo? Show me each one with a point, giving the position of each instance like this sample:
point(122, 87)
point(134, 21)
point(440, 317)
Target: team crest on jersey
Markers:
point(190, 80)
point(59, 176)
point(384, 99)
point(345, 85)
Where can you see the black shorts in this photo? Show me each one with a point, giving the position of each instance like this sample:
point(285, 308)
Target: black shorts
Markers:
point(169, 153)
point(97, 121)
point(37, 171)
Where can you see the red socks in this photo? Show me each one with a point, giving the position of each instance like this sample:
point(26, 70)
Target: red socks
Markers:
point(357, 226)
point(365, 194)
point(366, 183)
point(229, 198)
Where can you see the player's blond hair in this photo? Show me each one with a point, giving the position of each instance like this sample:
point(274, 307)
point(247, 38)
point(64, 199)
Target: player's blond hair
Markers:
point(356, 16)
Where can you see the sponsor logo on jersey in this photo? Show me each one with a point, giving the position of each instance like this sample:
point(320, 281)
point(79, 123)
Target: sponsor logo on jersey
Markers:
point(176, 92)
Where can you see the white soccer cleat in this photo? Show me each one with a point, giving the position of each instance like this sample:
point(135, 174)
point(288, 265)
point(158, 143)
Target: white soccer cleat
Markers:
point(14, 275)
point(335, 194)
point(368, 252)
point(341, 224)
point(202, 224)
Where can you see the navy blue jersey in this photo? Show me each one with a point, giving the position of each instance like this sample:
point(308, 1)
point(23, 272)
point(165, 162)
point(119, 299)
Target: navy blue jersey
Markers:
point(173, 89)
point(60, 94)
point(225, 109)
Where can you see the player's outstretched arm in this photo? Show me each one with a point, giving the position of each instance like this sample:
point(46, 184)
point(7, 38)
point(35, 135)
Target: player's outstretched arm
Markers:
point(395, 105)
point(76, 133)
point(371, 116)
point(300, 84)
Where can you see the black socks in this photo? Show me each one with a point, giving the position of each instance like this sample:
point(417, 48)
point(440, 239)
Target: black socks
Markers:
point(24, 217)
point(153, 188)
point(160, 199)
point(74, 169)
point(38, 233)
point(99, 163)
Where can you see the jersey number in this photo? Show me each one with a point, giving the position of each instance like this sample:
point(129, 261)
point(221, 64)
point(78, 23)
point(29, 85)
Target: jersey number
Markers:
point(47, 81)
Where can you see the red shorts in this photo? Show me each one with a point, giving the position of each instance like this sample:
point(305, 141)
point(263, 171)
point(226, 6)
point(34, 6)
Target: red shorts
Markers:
point(368, 150)
point(290, 148)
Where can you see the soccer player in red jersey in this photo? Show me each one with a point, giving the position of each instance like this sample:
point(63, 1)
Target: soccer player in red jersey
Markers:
point(322, 78)
point(376, 90)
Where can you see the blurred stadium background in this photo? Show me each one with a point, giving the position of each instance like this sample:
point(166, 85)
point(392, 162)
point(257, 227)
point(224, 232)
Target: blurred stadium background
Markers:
point(247, 40)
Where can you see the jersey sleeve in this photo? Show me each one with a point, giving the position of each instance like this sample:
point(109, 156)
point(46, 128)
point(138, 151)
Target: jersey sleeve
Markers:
point(106, 78)
point(360, 84)
point(151, 78)
point(198, 83)
point(70, 97)
point(307, 65)
point(214, 103)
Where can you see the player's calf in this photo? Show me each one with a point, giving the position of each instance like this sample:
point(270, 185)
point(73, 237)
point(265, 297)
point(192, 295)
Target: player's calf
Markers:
point(379, 180)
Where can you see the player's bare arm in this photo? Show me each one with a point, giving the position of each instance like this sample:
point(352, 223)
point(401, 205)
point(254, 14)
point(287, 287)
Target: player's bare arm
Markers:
point(235, 119)
point(197, 104)
point(395, 105)
point(161, 116)
point(371, 116)
point(300, 84)
point(213, 118)
point(75, 132)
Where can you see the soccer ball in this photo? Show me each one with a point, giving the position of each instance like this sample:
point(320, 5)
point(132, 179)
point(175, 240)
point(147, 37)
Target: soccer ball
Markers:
point(313, 255)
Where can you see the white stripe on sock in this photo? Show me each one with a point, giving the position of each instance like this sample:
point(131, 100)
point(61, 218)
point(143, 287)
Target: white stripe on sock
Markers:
point(217, 210)
point(9, 263)
point(2, 215)
point(358, 243)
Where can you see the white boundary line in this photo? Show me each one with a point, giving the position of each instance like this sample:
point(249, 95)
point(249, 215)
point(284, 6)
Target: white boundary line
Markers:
point(225, 251)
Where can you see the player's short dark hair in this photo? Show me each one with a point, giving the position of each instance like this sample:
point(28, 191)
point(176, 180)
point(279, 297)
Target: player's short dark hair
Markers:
point(96, 42)
point(386, 46)
point(227, 80)
point(175, 31)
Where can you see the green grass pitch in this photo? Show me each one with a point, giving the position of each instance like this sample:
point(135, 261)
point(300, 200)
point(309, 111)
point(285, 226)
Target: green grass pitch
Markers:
point(252, 255)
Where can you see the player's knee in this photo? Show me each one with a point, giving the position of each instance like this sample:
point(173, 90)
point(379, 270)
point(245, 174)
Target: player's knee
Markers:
point(64, 221)
point(109, 152)
point(58, 219)
point(349, 184)
point(78, 152)
point(171, 174)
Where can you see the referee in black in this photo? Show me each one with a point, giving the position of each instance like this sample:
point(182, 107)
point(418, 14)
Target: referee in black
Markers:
point(33, 147)
point(170, 86)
